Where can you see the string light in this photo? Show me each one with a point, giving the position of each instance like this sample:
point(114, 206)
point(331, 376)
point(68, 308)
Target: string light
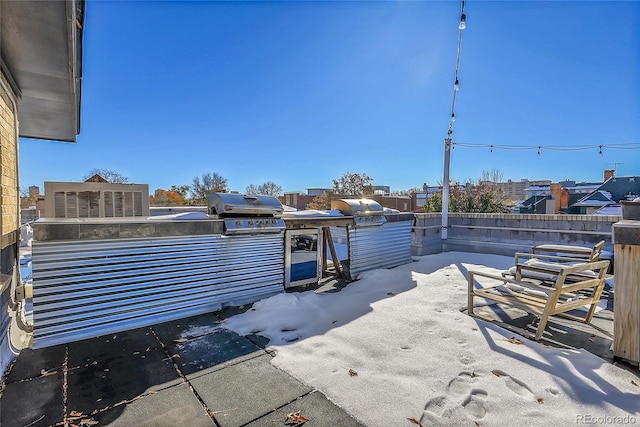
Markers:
point(448, 143)
point(456, 85)
point(539, 151)
point(600, 147)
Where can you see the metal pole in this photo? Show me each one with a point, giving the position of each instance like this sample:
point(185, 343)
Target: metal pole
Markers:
point(445, 188)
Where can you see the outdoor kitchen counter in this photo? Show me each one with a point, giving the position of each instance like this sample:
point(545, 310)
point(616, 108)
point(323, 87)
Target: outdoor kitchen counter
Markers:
point(53, 229)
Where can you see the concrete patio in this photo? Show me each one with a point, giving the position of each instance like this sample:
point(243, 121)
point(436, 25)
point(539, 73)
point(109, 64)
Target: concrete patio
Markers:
point(195, 372)
point(186, 372)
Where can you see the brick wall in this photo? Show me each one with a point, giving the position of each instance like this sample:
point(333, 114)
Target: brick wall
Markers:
point(8, 217)
point(8, 169)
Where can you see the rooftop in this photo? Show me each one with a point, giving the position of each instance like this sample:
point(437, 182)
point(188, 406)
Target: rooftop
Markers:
point(334, 354)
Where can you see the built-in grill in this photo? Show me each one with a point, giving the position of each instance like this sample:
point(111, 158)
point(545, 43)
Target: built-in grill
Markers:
point(365, 212)
point(245, 214)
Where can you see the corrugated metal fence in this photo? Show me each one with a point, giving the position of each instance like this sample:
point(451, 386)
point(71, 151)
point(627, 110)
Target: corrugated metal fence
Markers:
point(385, 246)
point(83, 289)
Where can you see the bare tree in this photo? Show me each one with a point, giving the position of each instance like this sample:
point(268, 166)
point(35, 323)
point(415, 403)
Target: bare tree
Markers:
point(268, 189)
point(107, 174)
point(406, 192)
point(208, 183)
point(271, 189)
point(252, 190)
point(352, 184)
point(493, 175)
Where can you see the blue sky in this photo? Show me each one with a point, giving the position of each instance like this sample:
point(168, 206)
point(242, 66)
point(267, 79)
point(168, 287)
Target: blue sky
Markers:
point(299, 93)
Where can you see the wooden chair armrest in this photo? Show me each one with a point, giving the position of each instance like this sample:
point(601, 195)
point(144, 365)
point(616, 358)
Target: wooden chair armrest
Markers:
point(504, 280)
point(567, 249)
point(560, 258)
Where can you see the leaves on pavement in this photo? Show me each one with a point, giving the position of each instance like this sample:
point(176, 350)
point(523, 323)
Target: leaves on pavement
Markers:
point(295, 419)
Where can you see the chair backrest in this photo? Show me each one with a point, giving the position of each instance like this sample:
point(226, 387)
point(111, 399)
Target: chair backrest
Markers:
point(597, 251)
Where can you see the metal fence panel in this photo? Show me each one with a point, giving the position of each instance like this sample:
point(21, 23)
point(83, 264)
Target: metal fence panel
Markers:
point(385, 246)
point(83, 289)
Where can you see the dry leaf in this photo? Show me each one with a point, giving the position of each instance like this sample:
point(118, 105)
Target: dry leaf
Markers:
point(514, 340)
point(47, 373)
point(75, 414)
point(295, 418)
point(634, 383)
point(391, 294)
point(352, 373)
point(473, 374)
point(413, 420)
point(540, 400)
point(497, 374)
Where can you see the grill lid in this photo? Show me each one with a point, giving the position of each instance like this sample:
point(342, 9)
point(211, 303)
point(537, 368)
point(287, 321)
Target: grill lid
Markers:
point(365, 212)
point(229, 204)
point(357, 207)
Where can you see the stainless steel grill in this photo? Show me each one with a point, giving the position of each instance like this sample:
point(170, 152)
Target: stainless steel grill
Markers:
point(365, 212)
point(244, 214)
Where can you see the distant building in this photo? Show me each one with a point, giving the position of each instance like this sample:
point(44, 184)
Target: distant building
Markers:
point(95, 200)
point(419, 199)
point(538, 204)
point(563, 193)
point(96, 178)
point(401, 203)
point(515, 190)
point(380, 190)
point(297, 200)
point(34, 190)
point(609, 194)
point(316, 191)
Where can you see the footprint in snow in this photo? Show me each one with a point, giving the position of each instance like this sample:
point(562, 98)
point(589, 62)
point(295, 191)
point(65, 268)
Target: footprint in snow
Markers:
point(475, 405)
point(515, 385)
point(462, 383)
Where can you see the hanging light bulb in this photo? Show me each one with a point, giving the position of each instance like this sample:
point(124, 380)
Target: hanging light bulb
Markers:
point(491, 146)
point(463, 22)
point(453, 117)
point(456, 85)
point(600, 152)
point(539, 150)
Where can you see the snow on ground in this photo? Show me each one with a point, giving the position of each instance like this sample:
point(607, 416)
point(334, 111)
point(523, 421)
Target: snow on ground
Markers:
point(394, 345)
